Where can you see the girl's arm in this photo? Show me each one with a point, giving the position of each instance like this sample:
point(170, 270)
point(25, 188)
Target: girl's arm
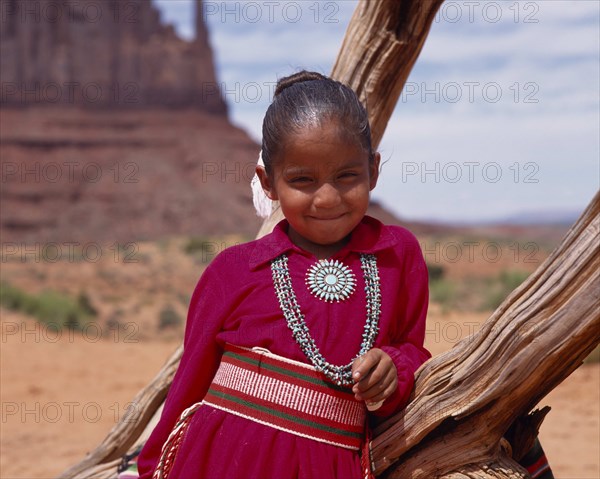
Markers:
point(199, 363)
point(406, 348)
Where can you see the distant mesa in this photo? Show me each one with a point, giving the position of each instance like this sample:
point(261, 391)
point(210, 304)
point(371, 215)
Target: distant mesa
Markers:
point(103, 53)
point(114, 128)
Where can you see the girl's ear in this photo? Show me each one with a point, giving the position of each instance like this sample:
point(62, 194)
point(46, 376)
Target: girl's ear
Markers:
point(374, 170)
point(266, 183)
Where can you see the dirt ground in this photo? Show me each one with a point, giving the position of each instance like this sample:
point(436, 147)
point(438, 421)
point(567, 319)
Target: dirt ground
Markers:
point(61, 395)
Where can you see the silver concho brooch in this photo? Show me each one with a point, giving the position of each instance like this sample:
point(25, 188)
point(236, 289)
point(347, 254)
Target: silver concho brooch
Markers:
point(330, 280)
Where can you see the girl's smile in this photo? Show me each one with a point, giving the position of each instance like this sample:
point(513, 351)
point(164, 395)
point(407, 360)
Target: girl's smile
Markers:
point(322, 181)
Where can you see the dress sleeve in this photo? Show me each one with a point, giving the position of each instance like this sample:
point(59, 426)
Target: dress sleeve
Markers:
point(406, 346)
point(198, 365)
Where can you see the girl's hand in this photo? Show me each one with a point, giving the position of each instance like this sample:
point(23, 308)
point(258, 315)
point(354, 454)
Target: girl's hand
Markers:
point(375, 377)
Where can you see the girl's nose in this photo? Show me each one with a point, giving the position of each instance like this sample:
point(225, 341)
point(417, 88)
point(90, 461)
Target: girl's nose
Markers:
point(327, 196)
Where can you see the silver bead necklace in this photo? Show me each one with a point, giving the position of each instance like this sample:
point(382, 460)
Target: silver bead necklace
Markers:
point(341, 375)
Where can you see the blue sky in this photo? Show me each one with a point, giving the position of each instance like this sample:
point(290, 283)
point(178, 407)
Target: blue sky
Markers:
point(500, 116)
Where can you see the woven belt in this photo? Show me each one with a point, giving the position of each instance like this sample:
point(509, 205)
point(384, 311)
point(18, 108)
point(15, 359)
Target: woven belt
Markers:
point(287, 395)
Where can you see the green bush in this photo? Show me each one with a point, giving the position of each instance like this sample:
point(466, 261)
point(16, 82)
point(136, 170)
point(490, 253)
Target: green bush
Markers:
point(54, 309)
point(197, 245)
point(83, 301)
point(57, 310)
point(114, 323)
point(436, 272)
point(443, 292)
point(203, 249)
point(169, 318)
point(501, 286)
point(184, 299)
point(13, 298)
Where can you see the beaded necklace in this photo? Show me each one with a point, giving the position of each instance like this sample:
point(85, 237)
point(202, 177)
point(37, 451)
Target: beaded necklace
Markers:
point(341, 375)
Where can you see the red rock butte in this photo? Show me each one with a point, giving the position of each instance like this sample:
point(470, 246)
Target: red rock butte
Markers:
point(114, 128)
point(103, 53)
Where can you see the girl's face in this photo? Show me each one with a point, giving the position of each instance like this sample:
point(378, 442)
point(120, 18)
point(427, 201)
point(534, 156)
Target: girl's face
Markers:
point(322, 182)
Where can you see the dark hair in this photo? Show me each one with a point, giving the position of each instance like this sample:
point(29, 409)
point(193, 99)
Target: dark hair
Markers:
point(306, 99)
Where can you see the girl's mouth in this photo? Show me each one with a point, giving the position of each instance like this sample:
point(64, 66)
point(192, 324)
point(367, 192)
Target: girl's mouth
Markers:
point(327, 218)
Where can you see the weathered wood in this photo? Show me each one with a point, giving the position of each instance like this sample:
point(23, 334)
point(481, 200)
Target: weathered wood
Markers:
point(466, 399)
point(381, 45)
point(104, 470)
point(524, 431)
point(502, 468)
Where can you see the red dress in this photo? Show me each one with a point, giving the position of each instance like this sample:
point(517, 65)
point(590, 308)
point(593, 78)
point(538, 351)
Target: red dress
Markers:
point(235, 302)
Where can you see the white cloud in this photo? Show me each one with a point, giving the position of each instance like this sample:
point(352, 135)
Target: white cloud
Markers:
point(545, 52)
point(477, 167)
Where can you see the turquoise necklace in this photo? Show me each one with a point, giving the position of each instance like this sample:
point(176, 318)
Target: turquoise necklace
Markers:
point(341, 375)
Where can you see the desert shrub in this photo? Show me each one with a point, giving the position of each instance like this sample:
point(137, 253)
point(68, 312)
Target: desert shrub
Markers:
point(472, 293)
point(54, 309)
point(184, 299)
point(169, 318)
point(436, 272)
point(512, 279)
point(501, 286)
point(14, 298)
point(114, 320)
point(127, 253)
point(197, 244)
point(83, 301)
point(110, 277)
point(59, 311)
point(443, 292)
point(203, 249)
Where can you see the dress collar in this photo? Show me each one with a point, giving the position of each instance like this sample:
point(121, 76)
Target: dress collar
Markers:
point(369, 236)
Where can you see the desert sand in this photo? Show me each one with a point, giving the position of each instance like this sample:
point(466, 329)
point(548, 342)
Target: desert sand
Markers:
point(61, 395)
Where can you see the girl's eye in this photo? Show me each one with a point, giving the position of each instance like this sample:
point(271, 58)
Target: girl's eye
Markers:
point(300, 179)
point(348, 175)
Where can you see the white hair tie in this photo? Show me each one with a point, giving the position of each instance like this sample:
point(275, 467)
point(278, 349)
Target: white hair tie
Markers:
point(262, 203)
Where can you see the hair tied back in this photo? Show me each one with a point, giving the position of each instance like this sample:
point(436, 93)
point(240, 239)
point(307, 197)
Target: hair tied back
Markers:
point(300, 77)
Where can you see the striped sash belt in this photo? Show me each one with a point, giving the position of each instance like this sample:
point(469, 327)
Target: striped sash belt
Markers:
point(287, 395)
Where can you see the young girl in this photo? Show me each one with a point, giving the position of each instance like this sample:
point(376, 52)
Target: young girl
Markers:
point(294, 340)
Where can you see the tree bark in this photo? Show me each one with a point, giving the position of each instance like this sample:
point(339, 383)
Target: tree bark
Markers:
point(381, 45)
point(466, 399)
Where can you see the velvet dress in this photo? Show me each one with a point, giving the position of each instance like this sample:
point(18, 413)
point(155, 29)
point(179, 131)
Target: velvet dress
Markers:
point(235, 302)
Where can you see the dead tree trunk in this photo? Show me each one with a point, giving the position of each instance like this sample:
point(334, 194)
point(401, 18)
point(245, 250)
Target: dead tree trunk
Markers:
point(466, 399)
point(464, 388)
